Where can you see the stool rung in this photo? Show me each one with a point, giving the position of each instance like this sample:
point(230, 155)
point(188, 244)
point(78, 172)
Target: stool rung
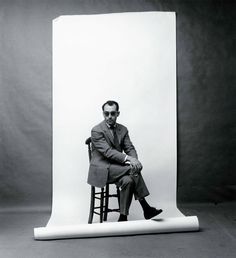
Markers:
point(113, 195)
point(96, 208)
point(113, 210)
point(99, 207)
point(97, 213)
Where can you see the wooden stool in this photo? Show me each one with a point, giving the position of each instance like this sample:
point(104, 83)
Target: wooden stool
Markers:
point(102, 209)
point(103, 195)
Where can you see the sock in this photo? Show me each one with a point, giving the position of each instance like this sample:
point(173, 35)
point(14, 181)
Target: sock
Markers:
point(144, 203)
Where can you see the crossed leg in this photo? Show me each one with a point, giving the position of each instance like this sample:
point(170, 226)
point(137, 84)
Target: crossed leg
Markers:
point(130, 184)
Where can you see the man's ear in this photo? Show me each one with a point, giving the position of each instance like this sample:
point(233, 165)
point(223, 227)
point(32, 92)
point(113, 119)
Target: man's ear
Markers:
point(118, 113)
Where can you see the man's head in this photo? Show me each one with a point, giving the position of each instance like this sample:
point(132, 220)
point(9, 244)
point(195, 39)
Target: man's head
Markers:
point(110, 112)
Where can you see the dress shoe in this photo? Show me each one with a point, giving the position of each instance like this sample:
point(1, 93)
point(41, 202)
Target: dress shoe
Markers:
point(151, 212)
point(122, 218)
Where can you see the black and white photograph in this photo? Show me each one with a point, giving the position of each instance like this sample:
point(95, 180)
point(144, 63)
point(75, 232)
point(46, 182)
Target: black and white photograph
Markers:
point(117, 128)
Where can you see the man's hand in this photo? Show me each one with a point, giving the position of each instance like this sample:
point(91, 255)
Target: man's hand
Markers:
point(134, 163)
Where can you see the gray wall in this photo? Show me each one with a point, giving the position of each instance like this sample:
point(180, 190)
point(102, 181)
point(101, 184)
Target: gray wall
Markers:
point(206, 95)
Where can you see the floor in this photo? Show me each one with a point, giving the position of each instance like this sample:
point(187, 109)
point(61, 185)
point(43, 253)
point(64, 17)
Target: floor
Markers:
point(216, 238)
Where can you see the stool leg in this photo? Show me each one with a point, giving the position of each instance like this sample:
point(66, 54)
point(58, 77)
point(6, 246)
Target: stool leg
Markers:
point(106, 202)
point(118, 195)
point(101, 205)
point(92, 200)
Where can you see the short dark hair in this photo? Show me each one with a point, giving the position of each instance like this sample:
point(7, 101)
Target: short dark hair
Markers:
point(111, 103)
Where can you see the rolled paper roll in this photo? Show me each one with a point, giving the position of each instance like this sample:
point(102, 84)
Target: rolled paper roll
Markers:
point(178, 224)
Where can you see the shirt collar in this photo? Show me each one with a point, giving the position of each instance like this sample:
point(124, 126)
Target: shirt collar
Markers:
point(110, 126)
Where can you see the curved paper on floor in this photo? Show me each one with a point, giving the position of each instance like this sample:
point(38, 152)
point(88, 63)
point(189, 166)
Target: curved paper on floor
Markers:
point(179, 224)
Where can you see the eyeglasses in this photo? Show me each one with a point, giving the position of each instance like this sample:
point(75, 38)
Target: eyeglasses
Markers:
point(112, 113)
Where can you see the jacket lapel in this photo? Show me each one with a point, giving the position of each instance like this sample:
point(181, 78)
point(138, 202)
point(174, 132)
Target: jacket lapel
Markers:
point(109, 134)
point(118, 132)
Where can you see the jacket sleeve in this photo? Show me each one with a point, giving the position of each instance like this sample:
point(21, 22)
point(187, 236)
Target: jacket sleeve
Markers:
point(128, 146)
point(102, 146)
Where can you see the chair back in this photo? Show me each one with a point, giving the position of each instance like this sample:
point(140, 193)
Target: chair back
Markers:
point(89, 143)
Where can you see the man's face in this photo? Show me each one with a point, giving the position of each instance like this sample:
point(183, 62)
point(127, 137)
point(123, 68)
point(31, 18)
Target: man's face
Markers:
point(110, 114)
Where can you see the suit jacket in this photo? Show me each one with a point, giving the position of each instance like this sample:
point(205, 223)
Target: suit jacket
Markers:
point(105, 153)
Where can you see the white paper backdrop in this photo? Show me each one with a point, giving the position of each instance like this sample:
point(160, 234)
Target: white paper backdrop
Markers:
point(130, 58)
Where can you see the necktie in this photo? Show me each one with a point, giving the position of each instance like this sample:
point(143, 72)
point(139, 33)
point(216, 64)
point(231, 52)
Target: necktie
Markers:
point(116, 141)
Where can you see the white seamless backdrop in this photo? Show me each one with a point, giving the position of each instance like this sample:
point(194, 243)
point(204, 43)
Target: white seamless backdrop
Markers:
point(130, 58)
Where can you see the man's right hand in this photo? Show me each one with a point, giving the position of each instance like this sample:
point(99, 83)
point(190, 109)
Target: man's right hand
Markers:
point(134, 163)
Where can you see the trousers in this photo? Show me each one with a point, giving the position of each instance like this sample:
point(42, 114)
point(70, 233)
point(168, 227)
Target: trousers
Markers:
point(129, 184)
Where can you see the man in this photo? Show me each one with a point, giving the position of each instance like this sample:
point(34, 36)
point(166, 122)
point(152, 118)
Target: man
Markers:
point(115, 160)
